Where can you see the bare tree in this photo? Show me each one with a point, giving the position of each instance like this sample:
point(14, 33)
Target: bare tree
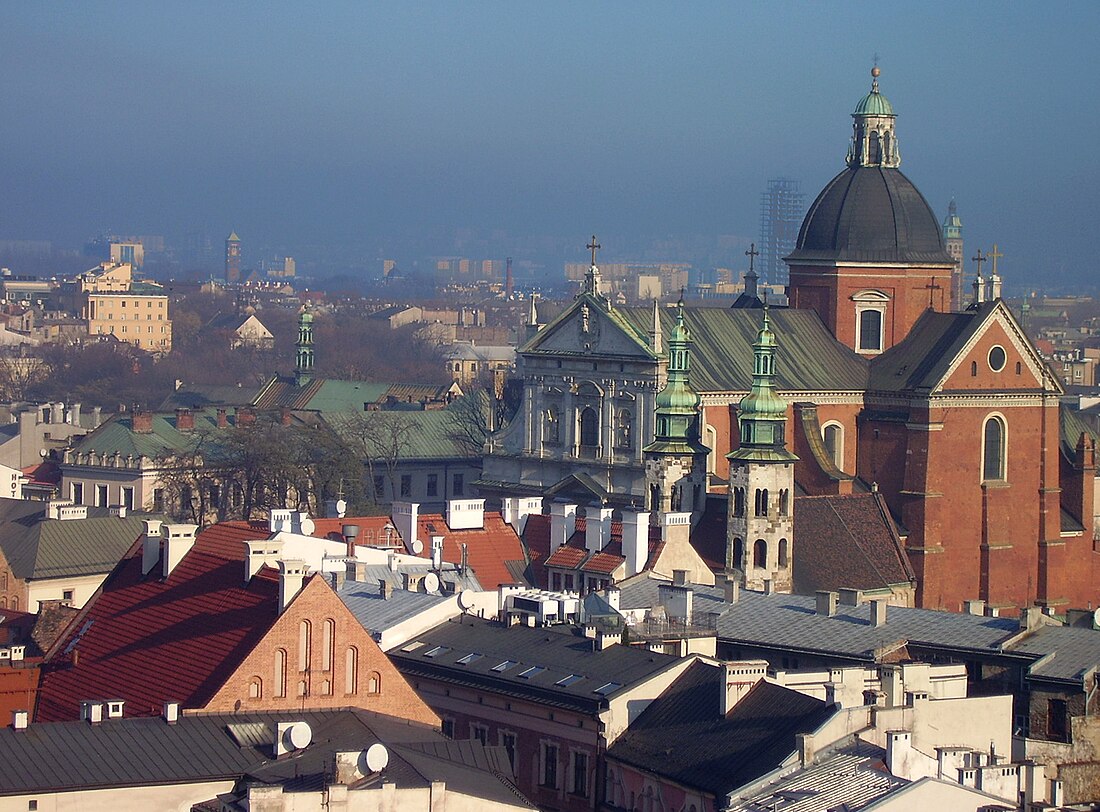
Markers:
point(379, 439)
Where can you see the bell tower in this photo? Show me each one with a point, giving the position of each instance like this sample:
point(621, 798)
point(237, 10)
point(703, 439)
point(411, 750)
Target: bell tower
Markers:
point(874, 142)
point(676, 461)
point(303, 365)
point(761, 516)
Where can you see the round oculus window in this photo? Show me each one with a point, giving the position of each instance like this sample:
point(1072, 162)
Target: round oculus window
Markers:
point(997, 359)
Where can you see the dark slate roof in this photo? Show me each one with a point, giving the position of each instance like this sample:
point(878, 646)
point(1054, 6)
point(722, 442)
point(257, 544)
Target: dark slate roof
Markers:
point(561, 651)
point(184, 635)
point(790, 622)
point(148, 751)
point(871, 214)
point(846, 541)
point(808, 358)
point(199, 396)
point(1076, 652)
point(683, 736)
point(922, 359)
point(36, 547)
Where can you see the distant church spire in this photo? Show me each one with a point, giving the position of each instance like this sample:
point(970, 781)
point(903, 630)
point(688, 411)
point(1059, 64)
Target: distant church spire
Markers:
point(763, 415)
point(592, 278)
point(303, 367)
point(874, 142)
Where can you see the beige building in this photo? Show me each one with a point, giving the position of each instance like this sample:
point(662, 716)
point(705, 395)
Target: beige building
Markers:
point(140, 319)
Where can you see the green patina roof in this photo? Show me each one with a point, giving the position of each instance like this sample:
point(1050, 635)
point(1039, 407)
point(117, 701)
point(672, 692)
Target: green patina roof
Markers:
point(874, 104)
point(431, 435)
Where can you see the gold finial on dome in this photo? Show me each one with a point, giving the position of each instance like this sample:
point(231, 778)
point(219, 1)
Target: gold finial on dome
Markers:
point(876, 71)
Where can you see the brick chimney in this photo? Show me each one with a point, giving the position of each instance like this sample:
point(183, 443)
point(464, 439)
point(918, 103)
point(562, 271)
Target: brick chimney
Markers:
point(284, 416)
point(246, 416)
point(223, 418)
point(185, 419)
point(141, 420)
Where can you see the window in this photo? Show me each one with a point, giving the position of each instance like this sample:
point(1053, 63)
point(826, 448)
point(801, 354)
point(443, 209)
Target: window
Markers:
point(448, 728)
point(158, 500)
point(67, 595)
point(457, 486)
point(590, 427)
point(551, 432)
point(993, 449)
point(760, 554)
point(303, 645)
point(580, 774)
point(328, 631)
point(374, 683)
point(739, 553)
point(279, 676)
point(565, 682)
point(1056, 719)
point(997, 358)
point(406, 484)
point(500, 668)
point(508, 742)
point(351, 670)
point(431, 488)
point(761, 501)
point(783, 553)
point(379, 486)
point(549, 765)
point(255, 688)
point(784, 501)
point(973, 369)
point(78, 493)
point(624, 429)
point(870, 331)
point(738, 502)
point(479, 733)
point(101, 496)
point(833, 436)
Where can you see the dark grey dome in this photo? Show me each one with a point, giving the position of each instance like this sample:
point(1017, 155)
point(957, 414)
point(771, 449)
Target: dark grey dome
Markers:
point(871, 214)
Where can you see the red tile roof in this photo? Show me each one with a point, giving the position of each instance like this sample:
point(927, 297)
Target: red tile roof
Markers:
point(488, 548)
point(573, 554)
point(371, 529)
point(18, 687)
point(566, 556)
point(148, 640)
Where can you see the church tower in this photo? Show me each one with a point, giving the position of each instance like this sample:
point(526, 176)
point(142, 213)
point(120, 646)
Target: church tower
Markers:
point(953, 242)
point(233, 258)
point(676, 461)
point(761, 519)
point(303, 365)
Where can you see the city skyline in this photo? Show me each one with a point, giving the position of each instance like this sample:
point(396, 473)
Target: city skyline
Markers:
point(641, 121)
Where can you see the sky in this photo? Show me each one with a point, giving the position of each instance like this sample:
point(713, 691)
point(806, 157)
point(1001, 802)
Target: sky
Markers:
point(371, 122)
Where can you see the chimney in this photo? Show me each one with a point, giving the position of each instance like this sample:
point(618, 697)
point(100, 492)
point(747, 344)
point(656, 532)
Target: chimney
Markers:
point(91, 711)
point(141, 420)
point(405, 518)
point(466, 514)
point(291, 575)
point(675, 528)
point(635, 541)
point(150, 545)
point(171, 712)
point(878, 612)
point(851, 597)
point(74, 414)
point(437, 553)
point(898, 745)
point(280, 520)
point(385, 589)
point(826, 602)
point(177, 541)
point(284, 416)
point(563, 523)
point(246, 416)
point(350, 532)
point(516, 509)
point(731, 589)
point(1056, 794)
point(974, 606)
point(19, 719)
point(806, 748)
point(223, 418)
point(57, 412)
point(614, 597)
point(769, 586)
point(1031, 618)
point(259, 553)
point(338, 578)
point(1080, 618)
point(740, 678)
point(597, 529)
point(678, 600)
point(97, 416)
point(185, 420)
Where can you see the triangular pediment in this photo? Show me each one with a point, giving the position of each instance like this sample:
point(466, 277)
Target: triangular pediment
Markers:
point(590, 327)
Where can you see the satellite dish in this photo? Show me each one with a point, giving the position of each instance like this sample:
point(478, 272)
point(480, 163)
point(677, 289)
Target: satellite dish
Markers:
point(308, 527)
point(431, 582)
point(1096, 618)
point(465, 600)
point(341, 506)
point(417, 546)
point(374, 759)
point(299, 735)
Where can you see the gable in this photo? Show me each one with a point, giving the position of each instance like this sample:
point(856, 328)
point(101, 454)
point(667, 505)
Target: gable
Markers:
point(586, 327)
point(974, 367)
point(375, 684)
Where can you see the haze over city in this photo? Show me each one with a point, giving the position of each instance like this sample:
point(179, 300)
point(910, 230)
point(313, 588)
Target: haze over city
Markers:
point(383, 124)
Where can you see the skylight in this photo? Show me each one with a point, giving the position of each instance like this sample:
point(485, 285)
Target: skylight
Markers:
point(413, 646)
point(469, 658)
point(533, 671)
point(504, 666)
point(435, 652)
point(609, 688)
point(565, 682)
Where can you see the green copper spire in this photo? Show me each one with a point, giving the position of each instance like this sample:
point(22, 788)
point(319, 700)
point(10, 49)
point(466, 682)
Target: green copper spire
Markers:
point(303, 367)
point(678, 404)
point(952, 226)
point(763, 417)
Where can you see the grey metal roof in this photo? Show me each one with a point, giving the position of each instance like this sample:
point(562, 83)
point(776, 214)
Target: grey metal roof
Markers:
point(376, 614)
point(1076, 651)
point(560, 651)
point(791, 622)
point(62, 756)
point(36, 547)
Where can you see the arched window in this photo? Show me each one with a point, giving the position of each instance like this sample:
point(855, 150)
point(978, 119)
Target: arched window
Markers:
point(279, 672)
point(551, 432)
point(760, 554)
point(328, 631)
point(870, 330)
point(738, 502)
point(973, 369)
point(624, 429)
point(303, 645)
point(351, 670)
point(654, 497)
point(761, 501)
point(255, 688)
point(783, 553)
point(993, 448)
point(590, 427)
point(677, 499)
point(711, 440)
point(833, 437)
point(374, 683)
point(738, 554)
point(784, 501)
point(326, 687)
point(874, 156)
point(1019, 368)
point(886, 146)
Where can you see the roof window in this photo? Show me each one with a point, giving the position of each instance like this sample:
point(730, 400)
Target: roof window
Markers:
point(469, 658)
point(500, 668)
point(533, 671)
point(608, 688)
point(435, 652)
point(565, 682)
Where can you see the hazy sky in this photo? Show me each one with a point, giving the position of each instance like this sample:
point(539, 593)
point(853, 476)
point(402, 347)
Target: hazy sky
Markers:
point(362, 120)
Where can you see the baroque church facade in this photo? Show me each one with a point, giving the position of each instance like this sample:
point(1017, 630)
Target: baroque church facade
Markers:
point(874, 378)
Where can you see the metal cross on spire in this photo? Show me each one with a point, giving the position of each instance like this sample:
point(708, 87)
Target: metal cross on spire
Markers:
point(980, 259)
point(752, 254)
point(593, 247)
point(993, 256)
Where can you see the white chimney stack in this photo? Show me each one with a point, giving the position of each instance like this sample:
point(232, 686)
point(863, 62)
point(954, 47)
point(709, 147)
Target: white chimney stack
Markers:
point(466, 514)
point(740, 678)
point(597, 529)
point(291, 575)
point(19, 719)
point(261, 553)
point(516, 509)
point(635, 541)
point(150, 546)
point(405, 517)
point(563, 523)
point(177, 539)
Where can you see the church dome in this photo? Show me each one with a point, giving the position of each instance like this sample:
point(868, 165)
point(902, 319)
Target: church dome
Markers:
point(874, 104)
point(870, 214)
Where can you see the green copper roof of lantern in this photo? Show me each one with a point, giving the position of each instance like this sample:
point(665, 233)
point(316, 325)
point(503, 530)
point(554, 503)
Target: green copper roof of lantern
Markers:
point(763, 401)
point(874, 103)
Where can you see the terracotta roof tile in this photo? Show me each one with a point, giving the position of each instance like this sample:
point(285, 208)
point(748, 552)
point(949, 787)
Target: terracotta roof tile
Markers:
point(573, 554)
point(567, 557)
point(148, 640)
point(488, 548)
